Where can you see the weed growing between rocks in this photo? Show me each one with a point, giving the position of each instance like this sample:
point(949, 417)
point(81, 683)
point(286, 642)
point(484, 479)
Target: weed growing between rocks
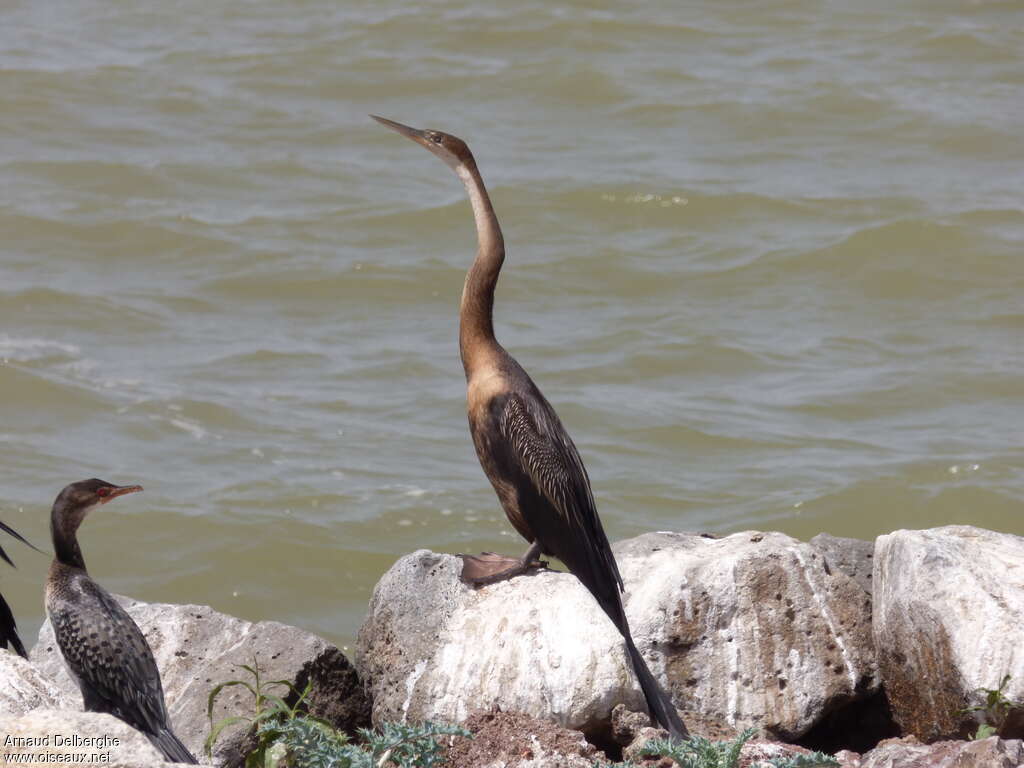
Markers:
point(268, 709)
point(288, 737)
point(304, 743)
point(698, 752)
point(813, 760)
point(996, 709)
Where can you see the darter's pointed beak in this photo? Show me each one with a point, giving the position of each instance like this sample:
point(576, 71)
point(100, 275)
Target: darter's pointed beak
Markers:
point(412, 133)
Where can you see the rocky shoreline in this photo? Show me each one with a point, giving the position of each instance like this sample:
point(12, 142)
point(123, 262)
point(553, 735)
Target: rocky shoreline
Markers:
point(872, 651)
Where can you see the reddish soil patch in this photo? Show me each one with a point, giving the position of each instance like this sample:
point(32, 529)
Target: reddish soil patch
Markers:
point(514, 736)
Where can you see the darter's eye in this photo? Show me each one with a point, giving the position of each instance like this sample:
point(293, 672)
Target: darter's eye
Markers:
point(436, 138)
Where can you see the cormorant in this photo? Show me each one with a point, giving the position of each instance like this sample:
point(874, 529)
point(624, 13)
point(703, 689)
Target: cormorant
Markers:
point(523, 448)
point(8, 627)
point(104, 648)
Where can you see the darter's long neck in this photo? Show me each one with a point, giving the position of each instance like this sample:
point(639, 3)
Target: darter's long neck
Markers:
point(476, 329)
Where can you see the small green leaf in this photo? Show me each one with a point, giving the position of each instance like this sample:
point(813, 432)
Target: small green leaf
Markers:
point(279, 707)
point(216, 731)
point(220, 687)
point(984, 731)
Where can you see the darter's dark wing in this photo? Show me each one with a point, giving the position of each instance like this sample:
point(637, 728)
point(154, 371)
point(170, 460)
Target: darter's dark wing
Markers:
point(562, 514)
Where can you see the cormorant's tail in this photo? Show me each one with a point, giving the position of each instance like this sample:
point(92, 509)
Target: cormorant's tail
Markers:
point(9, 630)
point(658, 702)
point(171, 747)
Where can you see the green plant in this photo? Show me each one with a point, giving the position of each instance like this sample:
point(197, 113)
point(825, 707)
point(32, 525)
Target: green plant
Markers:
point(402, 746)
point(984, 731)
point(301, 741)
point(289, 737)
point(813, 760)
point(698, 752)
point(996, 708)
point(307, 744)
point(268, 708)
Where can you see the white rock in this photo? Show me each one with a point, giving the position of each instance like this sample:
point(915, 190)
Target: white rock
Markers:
point(949, 606)
point(752, 629)
point(197, 647)
point(24, 688)
point(436, 650)
point(60, 733)
point(910, 753)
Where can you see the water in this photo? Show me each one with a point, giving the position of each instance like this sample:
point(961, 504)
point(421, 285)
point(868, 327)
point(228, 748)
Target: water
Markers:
point(765, 261)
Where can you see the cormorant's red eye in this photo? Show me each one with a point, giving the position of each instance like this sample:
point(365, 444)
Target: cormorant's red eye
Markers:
point(102, 491)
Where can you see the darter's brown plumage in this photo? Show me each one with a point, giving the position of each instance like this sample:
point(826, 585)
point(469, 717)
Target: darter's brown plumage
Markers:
point(104, 648)
point(523, 448)
point(8, 627)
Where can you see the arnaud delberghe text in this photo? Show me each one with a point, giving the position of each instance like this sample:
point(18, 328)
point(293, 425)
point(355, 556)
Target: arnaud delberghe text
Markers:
point(59, 740)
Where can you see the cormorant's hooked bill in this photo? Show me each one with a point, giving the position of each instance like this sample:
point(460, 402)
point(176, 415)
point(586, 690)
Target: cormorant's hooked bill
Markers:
point(110, 493)
point(88, 493)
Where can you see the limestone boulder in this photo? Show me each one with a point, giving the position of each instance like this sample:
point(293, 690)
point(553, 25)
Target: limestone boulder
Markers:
point(67, 737)
point(749, 630)
point(908, 752)
point(949, 604)
point(24, 688)
point(434, 649)
point(197, 647)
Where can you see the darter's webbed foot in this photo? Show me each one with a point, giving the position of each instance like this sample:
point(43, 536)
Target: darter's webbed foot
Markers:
point(490, 568)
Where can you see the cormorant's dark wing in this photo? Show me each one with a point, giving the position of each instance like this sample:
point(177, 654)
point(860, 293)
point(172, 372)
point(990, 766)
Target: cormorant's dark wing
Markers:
point(8, 627)
point(107, 652)
point(545, 453)
point(9, 630)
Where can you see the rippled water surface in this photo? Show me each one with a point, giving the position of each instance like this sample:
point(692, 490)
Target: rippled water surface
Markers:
point(766, 260)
